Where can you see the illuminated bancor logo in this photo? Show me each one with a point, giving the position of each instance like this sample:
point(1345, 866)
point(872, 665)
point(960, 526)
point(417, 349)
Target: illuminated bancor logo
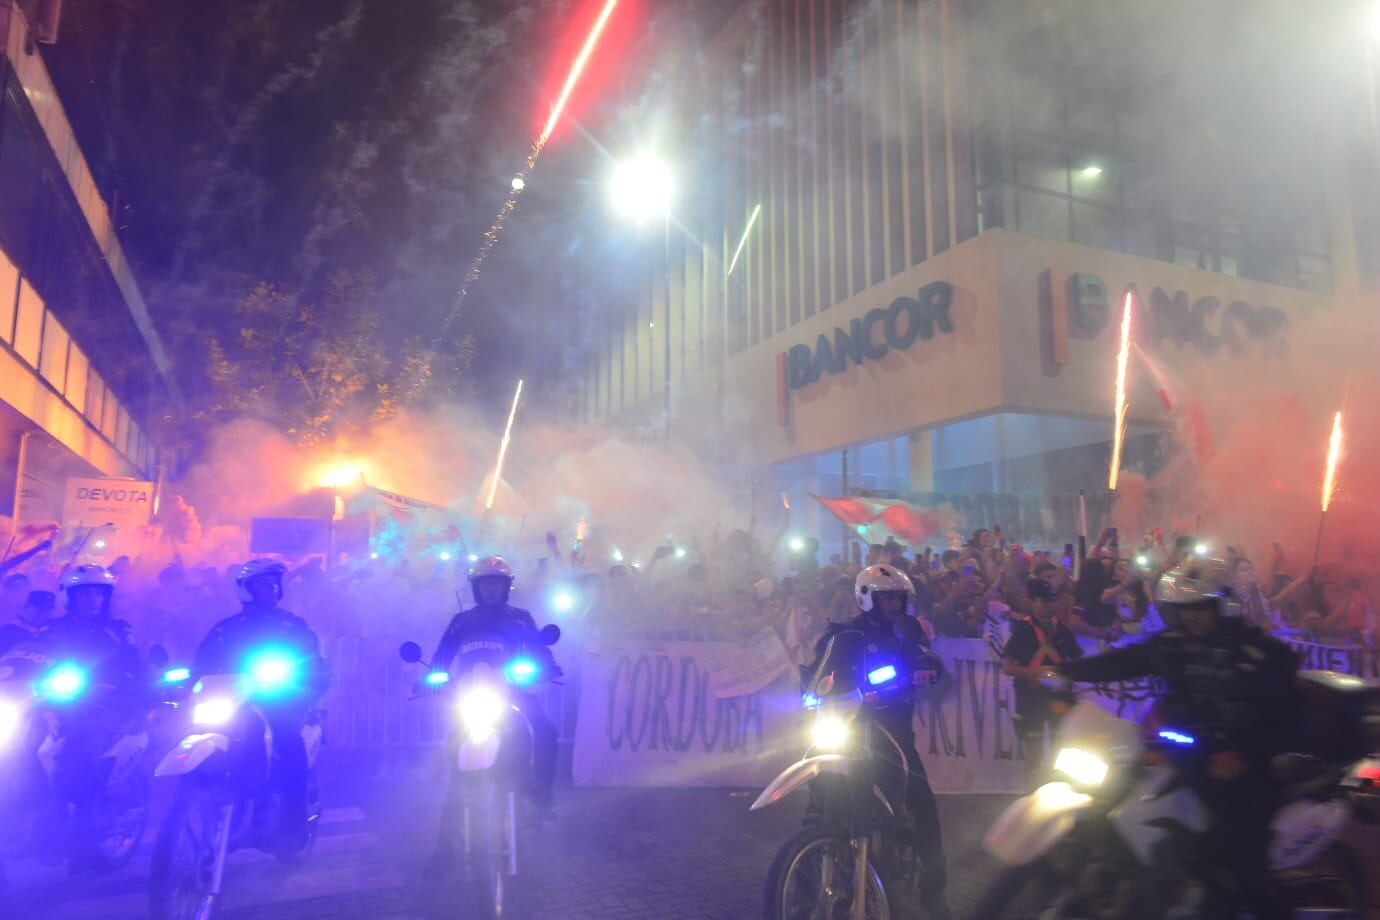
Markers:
point(1079, 305)
point(871, 337)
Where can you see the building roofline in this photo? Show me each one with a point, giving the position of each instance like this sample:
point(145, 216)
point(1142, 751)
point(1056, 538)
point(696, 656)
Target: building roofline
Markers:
point(29, 69)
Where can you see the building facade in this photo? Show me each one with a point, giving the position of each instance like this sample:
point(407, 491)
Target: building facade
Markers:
point(80, 363)
point(911, 228)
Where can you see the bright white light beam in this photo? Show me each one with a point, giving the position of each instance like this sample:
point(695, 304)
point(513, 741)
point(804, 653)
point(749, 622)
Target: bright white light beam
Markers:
point(752, 219)
point(503, 449)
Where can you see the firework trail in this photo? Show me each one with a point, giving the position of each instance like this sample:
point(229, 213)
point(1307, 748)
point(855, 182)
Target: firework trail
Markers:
point(491, 235)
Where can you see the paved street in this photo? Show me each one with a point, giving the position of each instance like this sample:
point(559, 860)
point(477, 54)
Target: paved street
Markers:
point(610, 854)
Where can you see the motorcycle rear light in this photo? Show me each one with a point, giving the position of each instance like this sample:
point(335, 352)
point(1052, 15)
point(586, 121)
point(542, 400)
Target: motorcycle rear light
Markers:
point(881, 675)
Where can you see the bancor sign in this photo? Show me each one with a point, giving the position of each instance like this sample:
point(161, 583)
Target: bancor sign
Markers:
point(872, 336)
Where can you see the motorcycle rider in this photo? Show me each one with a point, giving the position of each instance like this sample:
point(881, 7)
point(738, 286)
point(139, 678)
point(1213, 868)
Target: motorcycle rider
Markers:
point(491, 581)
point(883, 594)
point(88, 636)
point(225, 650)
point(1233, 687)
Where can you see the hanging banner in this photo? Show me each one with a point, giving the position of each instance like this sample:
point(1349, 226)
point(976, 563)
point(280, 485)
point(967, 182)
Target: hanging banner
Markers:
point(649, 716)
point(743, 670)
point(658, 713)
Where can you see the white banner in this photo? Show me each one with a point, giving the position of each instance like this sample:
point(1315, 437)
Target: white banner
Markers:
point(649, 716)
point(742, 670)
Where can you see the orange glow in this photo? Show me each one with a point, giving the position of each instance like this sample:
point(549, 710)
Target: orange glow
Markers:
point(338, 474)
point(1334, 453)
point(503, 450)
point(1123, 360)
point(576, 69)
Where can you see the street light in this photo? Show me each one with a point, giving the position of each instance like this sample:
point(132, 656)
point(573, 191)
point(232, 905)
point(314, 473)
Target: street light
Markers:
point(641, 189)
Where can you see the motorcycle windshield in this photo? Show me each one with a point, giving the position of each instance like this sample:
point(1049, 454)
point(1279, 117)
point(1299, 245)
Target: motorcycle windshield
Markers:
point(841, 668)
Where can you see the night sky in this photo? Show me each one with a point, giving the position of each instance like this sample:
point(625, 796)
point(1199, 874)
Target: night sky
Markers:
point(288, 140)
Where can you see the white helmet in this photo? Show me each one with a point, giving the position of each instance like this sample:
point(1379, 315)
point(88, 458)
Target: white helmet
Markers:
point(879, 579)
point(1196, 581)
point(491, 567)
point(253, 569)
point(87, 575)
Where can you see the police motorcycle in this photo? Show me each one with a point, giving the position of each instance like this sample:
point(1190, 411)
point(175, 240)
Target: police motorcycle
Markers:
point(1119, 833)
point(41, 702)
point(493, 752)
point(855, 858)
point(225, 800)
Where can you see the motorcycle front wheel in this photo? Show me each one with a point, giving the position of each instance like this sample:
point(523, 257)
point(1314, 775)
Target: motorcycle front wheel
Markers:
point(812, 879)
point(486, 817)
point(121, 821)
point(182, 874)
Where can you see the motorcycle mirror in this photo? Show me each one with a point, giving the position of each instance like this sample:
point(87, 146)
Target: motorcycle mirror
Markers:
point(550, 634)
point(410, 652)
point(158, 657)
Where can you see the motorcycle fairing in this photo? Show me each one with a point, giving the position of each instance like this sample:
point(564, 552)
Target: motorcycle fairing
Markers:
point(1155, 807)
point(797, 775)
point(1034, 823)
point(472, 757)
point(1304, 830)
point(190, 753)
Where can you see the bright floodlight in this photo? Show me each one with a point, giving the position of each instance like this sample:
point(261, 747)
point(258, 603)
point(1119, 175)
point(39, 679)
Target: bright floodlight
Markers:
point(1092, 172)
point(641, 188)
point(519, 183)
point(100, 544)
point(445, 557)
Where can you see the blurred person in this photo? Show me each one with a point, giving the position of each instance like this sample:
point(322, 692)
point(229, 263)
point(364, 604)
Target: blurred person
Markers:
point(227, 648)
point(14, 591)
point(1232, 686)
point(1038, 641)
point(1256, 608)
point(876, 552)
point(881, 596)
point(1340, 614)
point(33, 616)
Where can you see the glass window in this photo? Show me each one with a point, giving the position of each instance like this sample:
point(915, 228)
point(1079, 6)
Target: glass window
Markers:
point(1041, 164)
point(52, 363)
point(77, 383)
point(9, 296)
point(1042, 214)
point(28, 335)
point(1095, 225)
point(95, 398)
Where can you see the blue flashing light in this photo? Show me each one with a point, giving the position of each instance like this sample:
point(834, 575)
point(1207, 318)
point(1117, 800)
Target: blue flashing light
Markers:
point(1173, 737)
point(176, 675)
point(881, 675)
point(522, 671)
point(437, 678)
point(272, 670)
point(63, 684)
point(809, 701)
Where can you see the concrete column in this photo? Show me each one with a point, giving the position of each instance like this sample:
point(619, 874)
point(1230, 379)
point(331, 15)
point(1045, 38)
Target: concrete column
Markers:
point(922, 461)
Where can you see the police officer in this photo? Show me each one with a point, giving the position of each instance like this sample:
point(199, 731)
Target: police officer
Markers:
point(90, 637)
point(1233, 686)
point(883, 594)
point(491, 582)
point(227, 649)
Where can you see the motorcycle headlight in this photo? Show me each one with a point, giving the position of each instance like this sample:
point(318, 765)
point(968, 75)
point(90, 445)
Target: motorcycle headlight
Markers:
point(829, 733)
point(1083, 767)
point(215, 711)
point(481, 710)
